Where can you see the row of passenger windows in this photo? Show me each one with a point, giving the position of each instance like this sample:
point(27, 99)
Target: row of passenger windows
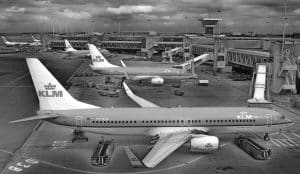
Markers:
point(226, 121)
point(177, 121)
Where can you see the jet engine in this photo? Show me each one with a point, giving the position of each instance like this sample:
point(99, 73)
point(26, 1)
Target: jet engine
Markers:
point(204, 144)
point(157, 81)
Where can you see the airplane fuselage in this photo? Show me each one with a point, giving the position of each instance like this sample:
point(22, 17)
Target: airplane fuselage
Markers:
point(79, 52)
point(15, 43)
point(153, 121)
point(169, 73)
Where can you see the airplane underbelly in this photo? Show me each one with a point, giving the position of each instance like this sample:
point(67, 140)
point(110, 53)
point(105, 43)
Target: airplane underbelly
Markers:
point(251, 129)
point(149, 131)
point(118, 131)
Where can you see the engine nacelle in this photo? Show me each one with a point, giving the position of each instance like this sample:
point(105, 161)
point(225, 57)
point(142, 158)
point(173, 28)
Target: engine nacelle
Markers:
point(204, 144)
point(157, 81)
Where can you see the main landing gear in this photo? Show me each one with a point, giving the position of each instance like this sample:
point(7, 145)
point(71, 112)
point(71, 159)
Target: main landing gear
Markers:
point(266, 137)
point(79, 134)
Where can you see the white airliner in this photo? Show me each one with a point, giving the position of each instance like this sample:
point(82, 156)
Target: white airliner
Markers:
point(34, 39)
point(9, 43)
point(36, 42)
point(171, 127)
point(156, 75)
point(74, 52)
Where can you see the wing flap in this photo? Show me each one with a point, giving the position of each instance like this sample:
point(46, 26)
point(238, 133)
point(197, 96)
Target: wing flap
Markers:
point(38, 117)
point(164, 147)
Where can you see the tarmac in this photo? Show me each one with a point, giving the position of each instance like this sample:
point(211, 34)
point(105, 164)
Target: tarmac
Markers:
point(43, 147)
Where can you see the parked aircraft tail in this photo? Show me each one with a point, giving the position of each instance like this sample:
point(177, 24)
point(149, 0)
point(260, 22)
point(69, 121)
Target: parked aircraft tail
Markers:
point(98, 60)
point(34, 39)
point(69, 47)
point(4, 39)
point(52, 95)
point(259, 85)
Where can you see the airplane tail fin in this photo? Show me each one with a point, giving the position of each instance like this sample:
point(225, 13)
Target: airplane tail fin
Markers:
point(34, 39)
point(52, 95)
point(98, 60)
point(68, 46)
point(4, 39)
point(260, 85)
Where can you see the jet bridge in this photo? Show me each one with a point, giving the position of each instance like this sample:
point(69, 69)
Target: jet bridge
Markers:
point(168, 55)
point(197, 61)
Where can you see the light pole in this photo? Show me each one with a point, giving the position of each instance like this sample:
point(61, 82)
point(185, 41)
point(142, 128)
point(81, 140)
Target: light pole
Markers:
point(267, 23)
point(119, 28)
point(148, 21)
point(185, 24)
point(219, 26)
point(284, 28)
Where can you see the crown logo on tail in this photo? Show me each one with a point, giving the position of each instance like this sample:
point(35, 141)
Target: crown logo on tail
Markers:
point(49, 86)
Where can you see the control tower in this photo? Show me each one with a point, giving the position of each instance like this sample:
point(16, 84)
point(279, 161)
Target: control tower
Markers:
point(209, 24)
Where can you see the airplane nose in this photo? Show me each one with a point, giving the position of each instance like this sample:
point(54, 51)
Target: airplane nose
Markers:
point(288, 121)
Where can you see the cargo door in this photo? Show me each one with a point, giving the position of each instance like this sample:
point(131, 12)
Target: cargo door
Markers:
point(269, 121)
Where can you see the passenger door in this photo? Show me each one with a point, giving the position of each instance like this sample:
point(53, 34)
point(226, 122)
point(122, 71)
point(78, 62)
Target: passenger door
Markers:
point(79, 121)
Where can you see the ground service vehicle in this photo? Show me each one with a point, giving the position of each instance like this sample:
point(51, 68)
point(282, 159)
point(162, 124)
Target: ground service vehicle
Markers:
point(257, 151)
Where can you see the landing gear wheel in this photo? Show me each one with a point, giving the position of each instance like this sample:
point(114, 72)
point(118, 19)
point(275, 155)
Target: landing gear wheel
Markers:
point(78, 134)
point(266, 137)
point(141, 83)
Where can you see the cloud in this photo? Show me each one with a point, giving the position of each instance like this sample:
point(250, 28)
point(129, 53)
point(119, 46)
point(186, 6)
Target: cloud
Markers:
point(130, 9)
point(166, 17)
point(169, 23)
point(41, 18)
point(41, 3)
point(15, 9)
point(75, 15)
point(297, 11)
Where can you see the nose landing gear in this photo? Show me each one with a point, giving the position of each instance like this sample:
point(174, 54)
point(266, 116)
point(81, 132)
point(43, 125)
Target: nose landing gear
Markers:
point(79, 134)
point(267, 137)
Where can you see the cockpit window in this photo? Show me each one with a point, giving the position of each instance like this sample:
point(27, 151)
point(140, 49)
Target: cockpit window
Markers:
point(282, 117)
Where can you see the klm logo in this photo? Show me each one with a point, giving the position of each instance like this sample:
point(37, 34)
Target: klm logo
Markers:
point(167, 71)
point(208, 145)
point(98, 59)
point(50, 91)
point(244, 115)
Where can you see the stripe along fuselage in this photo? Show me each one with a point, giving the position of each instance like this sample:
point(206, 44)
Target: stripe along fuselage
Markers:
point(152, 121)
point(168, 73)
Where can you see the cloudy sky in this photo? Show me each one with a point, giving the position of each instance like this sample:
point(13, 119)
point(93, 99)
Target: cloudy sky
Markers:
point(159, 15)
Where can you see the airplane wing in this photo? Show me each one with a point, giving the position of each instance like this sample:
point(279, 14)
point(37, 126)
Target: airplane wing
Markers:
point(164, 147)
point(38, 117)
point(140, 101)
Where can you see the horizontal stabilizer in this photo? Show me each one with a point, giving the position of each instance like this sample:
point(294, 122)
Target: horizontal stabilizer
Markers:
point(38, 117)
